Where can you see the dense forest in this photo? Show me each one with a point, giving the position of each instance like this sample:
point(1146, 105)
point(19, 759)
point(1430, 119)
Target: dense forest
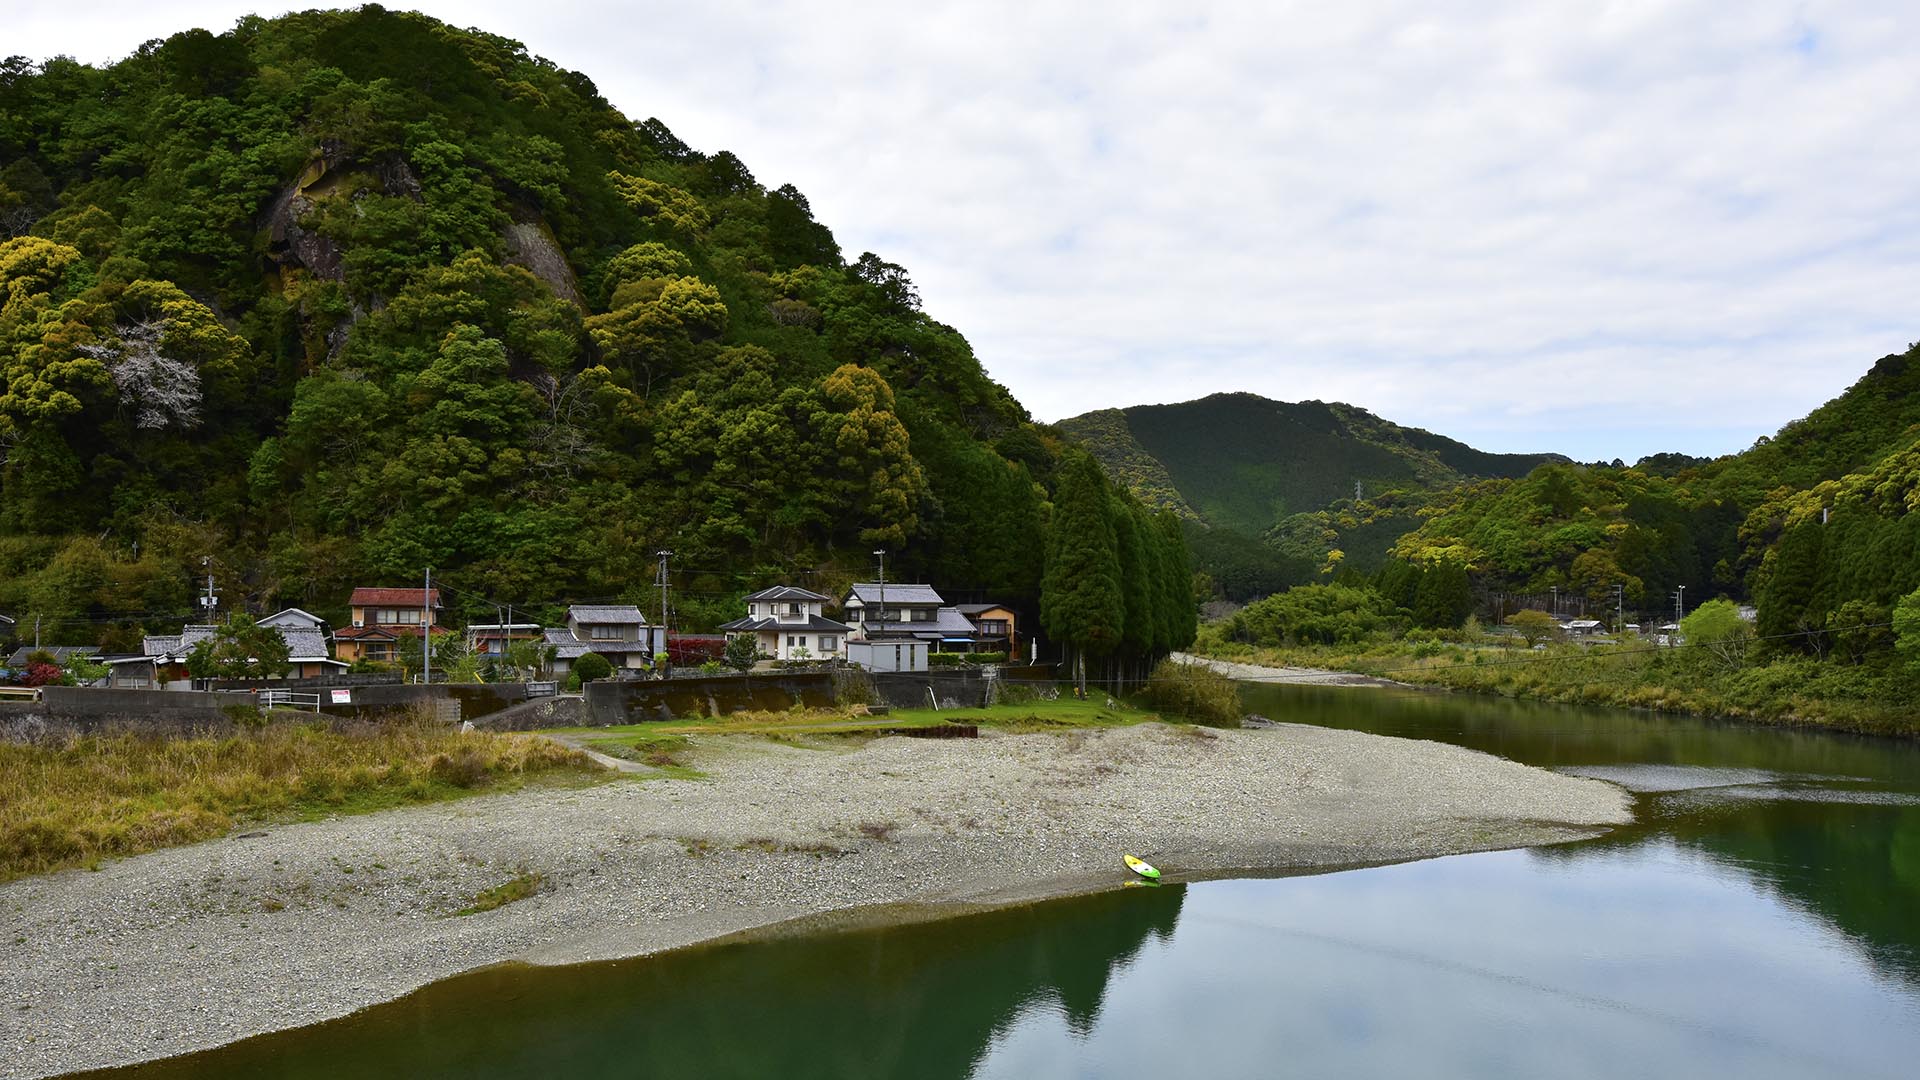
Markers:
point(1264, 486)
point(329, 299)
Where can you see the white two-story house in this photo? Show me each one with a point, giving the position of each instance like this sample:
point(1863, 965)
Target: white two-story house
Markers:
point(786, 624)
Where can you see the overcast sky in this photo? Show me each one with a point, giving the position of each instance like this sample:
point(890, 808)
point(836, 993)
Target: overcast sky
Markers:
point(1603, 229)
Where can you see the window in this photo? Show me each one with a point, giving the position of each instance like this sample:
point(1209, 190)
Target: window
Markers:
point(605, 632)
point(829, 643)
point(793, 609)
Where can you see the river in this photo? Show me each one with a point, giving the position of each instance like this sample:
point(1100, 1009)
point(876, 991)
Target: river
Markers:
point(1760, 919)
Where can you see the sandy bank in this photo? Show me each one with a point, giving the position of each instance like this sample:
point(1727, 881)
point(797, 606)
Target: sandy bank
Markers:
point(184, 949)
point(1265, 674)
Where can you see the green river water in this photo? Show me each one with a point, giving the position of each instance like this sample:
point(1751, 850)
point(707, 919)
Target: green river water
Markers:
point(1761, 919)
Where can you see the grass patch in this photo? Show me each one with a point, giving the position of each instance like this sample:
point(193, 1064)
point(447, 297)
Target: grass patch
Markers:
point(514, 889)
point(75, 801)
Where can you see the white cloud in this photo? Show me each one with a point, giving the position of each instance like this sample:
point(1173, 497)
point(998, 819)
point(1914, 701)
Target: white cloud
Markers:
point(1601, 229)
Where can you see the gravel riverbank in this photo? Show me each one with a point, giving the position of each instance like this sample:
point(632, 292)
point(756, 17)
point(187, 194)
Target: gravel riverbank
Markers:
point(1265, 674)
point(188, 948)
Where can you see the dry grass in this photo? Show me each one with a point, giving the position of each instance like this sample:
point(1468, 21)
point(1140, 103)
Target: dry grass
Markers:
point(74, 801)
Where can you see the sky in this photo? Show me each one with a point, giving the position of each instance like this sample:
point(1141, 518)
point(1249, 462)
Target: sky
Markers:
point(1604, 229)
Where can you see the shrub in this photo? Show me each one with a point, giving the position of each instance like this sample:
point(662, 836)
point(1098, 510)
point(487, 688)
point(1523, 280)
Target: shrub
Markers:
point(1195, 692)
point(592, 666)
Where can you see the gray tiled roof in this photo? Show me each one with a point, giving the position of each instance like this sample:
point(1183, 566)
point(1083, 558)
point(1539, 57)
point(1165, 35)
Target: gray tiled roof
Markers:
point(813, 623)
point(946, 622)
point(302, 643)
point(902, 593)
point(59, 653)
point(606, 613)
point(789, 592)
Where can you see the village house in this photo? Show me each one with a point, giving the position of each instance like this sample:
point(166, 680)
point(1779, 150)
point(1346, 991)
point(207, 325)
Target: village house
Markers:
point(618, 632)
point(912, 611)
point(494, 639)
point(381, 617)
point(994, 627)
point(785, 623)
point(162, 663)
point(61, 653)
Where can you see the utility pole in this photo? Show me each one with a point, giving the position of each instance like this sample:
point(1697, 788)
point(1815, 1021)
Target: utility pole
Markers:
point(1556, 602)
point(1680, 605)
point(36, 633)
point(1619, 609)
point(426, 630)
point(663, 553)
point(211, 601)
point(882, 553)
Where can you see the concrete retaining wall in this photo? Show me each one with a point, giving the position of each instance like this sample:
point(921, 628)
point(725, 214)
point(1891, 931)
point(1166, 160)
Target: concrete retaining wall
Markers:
point(475, 699)
point(610, 703)
point(86, 710)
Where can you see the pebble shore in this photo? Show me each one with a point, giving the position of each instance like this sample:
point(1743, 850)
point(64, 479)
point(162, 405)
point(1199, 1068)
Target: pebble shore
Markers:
point(193, 947)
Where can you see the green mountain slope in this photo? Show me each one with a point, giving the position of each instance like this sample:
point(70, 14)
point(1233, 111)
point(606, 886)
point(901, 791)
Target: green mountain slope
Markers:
point(1244, 462)
point(334, 297)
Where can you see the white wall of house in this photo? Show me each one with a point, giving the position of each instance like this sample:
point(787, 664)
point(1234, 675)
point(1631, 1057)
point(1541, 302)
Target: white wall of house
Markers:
point(889, 655)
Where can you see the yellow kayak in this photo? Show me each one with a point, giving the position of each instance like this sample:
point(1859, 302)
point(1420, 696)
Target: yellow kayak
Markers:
point(1142, 867)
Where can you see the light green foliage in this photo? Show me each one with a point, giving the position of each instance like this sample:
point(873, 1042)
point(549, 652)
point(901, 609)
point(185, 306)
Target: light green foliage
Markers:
point(1195, 692)
point(1717, 627)
point(1317, 615)
point(1534, 626)
point(1906, 629)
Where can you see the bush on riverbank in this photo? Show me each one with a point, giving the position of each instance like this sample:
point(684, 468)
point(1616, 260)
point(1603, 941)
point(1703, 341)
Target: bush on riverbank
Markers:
point(1195, 692)
point(1789, 690)
point(77, 800)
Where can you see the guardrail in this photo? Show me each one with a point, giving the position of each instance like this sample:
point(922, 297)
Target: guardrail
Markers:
point(27, 693)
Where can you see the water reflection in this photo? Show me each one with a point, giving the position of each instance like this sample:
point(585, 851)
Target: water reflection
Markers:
point(1828, 823)
point(921, 1001)
point(1757, 920)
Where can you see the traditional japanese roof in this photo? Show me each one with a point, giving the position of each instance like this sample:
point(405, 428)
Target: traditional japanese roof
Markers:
point(573, 648)
point(971, 610)
point(304, 646)
point(392, 598)
point(60, 653)
point(789, 592)
point(366, 633)
point(606, 613)
point(903, 594)
point(812, 623)
point(947, 623)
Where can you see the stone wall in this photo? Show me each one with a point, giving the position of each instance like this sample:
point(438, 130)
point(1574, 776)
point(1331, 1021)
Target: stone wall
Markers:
point(476, 699)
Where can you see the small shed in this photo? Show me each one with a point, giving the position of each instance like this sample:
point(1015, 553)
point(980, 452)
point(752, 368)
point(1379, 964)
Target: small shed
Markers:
point(890, 654)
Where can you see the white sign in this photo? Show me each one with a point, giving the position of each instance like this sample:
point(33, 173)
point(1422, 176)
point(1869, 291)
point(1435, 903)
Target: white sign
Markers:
point(343, 697)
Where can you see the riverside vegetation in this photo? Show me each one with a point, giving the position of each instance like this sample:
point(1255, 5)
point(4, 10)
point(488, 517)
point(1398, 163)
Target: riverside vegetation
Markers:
point(76, 800)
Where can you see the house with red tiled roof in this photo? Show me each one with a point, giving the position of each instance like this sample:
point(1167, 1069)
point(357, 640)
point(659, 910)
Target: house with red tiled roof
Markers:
point(381, 617)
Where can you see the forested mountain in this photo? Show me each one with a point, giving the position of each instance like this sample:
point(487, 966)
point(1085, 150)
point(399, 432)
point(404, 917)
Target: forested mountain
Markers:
point(339, 296)
point(1815, 524)
point(1257, 473)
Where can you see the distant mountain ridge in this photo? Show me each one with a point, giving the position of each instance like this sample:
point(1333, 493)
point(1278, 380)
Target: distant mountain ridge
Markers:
point(1244, 462)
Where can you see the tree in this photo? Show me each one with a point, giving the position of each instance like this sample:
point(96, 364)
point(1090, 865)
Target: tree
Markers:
point(742, 652)
point(1443, 598)
point(1906, 629)
point(240, 649)
point(1534, 626)
point(1081, 605)
point(1717, 627)
point(592, 666)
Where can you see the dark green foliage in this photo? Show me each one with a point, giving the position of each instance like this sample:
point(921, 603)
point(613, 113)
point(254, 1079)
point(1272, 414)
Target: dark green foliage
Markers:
point(741, 652)
point(1444, 598)
point(592, 666)
point(240, 649)
point(430, 300)
point(1081, 600)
